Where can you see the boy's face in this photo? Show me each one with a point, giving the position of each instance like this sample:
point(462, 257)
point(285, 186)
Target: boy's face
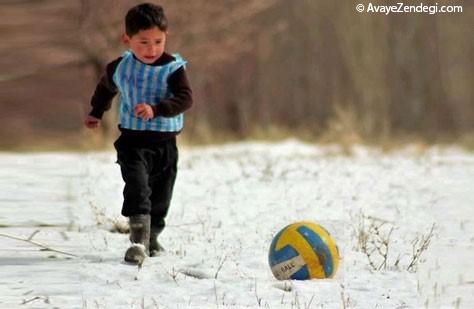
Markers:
point(147, 45)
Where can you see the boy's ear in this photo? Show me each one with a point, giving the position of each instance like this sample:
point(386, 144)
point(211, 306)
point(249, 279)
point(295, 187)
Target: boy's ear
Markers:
point(125, 39)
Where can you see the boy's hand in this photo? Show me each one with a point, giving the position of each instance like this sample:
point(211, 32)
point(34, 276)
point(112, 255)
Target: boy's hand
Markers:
point(144, 111)
point(91, 122)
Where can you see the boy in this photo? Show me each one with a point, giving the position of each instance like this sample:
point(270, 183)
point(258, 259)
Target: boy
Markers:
point(154, 93)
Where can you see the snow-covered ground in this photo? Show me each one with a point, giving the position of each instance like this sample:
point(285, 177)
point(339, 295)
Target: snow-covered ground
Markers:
point(229, 202)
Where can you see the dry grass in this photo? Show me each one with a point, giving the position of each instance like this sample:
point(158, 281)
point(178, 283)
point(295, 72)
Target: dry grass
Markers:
point(374, 239)
point(342, 131)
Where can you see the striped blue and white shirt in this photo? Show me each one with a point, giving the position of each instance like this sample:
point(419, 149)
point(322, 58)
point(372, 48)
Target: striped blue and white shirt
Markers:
point(141, 83)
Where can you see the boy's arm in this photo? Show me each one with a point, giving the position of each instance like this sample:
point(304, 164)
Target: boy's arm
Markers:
point(182, 96)
point(105, 91)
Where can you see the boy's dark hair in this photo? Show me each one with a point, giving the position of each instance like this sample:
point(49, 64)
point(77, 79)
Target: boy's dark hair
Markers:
point(145, 16)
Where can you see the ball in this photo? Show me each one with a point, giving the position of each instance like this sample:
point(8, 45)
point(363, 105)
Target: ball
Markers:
point(303, 251)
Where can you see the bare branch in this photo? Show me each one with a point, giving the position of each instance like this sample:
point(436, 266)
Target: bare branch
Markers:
point(418, 250)
point(37, 244)
point(220, 266)
point(33, 235)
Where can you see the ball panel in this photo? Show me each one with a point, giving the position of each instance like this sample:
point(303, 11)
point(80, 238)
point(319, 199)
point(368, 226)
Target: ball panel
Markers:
point(333, 249)
point(285, 261)
point(327, 239)
point(275, 240)
point(302, 274)
point(280, 256)
point(324, 257)
point(288, 268)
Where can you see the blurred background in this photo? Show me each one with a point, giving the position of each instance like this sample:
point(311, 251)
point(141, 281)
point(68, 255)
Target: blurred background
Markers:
point(312, 69)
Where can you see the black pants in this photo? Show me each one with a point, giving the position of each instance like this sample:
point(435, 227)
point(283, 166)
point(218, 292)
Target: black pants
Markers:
point(149, 173)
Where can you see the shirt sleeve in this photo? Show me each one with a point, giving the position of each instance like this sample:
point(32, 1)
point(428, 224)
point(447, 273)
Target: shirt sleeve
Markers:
point(105, 91)
point(182, 96)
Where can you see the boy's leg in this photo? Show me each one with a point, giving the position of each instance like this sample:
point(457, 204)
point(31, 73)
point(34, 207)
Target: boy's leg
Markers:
point(136, 204)
point(137, 192)
point(140, 238)
point(162, 184)
point(162, 188)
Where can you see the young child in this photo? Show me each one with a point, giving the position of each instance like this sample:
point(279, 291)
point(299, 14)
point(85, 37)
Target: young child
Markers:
point(154, 93)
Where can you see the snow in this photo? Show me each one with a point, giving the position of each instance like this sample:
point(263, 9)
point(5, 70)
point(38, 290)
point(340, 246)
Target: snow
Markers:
point(229, 202)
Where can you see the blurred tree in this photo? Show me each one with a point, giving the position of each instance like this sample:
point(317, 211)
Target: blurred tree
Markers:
point(303, 66)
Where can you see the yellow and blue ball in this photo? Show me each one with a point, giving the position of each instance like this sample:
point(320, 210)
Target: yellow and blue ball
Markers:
point(302, 251)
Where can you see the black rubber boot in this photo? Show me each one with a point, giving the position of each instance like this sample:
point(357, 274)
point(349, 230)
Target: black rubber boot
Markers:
point(140, 238)
point(155, 246)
